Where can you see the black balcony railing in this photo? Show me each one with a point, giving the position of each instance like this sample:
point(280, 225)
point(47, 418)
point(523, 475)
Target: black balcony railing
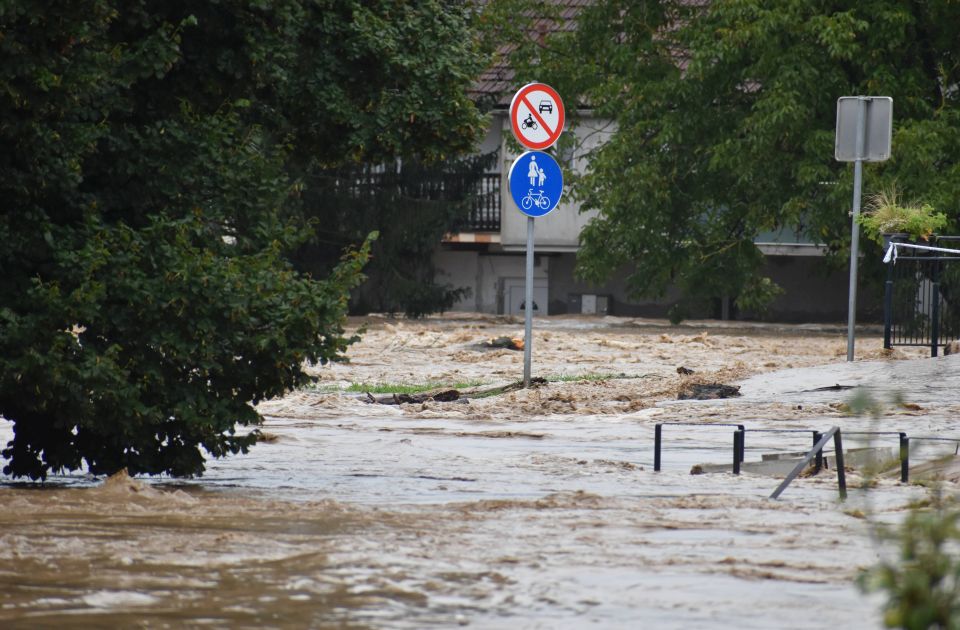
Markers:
point(485, 201)
point(480, 193)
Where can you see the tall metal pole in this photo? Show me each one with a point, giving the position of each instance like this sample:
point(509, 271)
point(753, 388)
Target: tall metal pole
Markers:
point(855, 229)
point(528, 307)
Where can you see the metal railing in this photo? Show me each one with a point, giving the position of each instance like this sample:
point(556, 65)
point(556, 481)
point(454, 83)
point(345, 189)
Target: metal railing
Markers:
point(738, 450)
point(815, 454)
point(921, 301)
point(480, 192)
point(485, 213)
point(833, 433)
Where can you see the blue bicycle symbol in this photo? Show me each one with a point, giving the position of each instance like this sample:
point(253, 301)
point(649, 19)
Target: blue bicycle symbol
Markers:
point(540, 199)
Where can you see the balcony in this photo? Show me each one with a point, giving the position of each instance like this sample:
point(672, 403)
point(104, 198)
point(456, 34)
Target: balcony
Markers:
point(485, 200)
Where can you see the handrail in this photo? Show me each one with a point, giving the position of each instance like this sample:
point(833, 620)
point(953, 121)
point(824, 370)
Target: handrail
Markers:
point(940, 439)
point(737, 441)
point(904, 450)
point(816, 437)
point(834, 433)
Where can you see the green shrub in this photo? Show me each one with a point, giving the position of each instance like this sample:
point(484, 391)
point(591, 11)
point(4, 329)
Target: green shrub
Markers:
point(923, 583)
point(886, 214)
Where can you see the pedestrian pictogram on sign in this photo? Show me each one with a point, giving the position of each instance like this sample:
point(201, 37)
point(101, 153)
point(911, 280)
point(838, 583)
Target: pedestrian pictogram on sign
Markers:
point(536, 115)
point(536, 183)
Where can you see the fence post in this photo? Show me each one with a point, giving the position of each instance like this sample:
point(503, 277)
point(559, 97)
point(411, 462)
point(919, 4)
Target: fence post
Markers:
point(935, 309)
point(838, 456)
point(737, 449)
point(743, 441)
point(657, 437)
point(819, 461)
point(904, 458)
point(888, 307)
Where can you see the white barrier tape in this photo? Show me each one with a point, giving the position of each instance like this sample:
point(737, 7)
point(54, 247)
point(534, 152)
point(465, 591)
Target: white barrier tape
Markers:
point(892, 250)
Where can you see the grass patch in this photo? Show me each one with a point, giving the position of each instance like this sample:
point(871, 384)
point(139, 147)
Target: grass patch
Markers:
point(566, 378)
point(419, 388)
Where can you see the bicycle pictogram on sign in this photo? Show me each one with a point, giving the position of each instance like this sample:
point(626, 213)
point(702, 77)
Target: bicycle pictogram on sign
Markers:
point(536, 183)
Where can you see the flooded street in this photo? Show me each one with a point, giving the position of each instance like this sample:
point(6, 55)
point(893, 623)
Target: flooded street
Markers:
point(531, 508)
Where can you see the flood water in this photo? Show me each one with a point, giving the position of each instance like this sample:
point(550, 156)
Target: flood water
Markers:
point(487, 514)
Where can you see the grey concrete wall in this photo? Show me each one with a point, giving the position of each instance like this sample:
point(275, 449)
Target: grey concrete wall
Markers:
point(812, 293)
point(563, 285)
point(492, 278)
point(460, 269)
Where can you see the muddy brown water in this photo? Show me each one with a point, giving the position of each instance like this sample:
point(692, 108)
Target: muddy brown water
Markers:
point(538, 509)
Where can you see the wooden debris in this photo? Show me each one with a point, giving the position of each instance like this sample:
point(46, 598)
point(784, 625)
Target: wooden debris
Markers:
point(708, 391)
point(510, 343)
point(449, 395)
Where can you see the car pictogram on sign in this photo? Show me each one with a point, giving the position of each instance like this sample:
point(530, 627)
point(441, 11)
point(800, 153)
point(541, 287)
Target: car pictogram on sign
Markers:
point(536, 116)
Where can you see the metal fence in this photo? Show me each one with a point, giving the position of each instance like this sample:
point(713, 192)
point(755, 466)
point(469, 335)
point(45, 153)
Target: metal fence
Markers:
point(480, 191)
point(921, 305)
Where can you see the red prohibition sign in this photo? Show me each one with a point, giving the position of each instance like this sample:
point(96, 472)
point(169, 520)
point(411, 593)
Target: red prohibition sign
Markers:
point(536, 116)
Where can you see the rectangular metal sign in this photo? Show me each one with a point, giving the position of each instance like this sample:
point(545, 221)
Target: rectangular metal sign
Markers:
point(877, 131)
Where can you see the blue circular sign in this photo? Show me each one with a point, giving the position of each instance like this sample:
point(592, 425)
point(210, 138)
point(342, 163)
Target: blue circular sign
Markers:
point(536, 183)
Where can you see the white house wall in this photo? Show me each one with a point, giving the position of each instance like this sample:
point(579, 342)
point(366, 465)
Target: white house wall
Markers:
point(494, 267)
point(558, 231)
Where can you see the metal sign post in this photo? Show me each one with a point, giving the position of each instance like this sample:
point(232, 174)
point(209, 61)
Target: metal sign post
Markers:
point(528, 307)
point(536, 117)
point(536, 185)
point(864, 131)
point(855, 226)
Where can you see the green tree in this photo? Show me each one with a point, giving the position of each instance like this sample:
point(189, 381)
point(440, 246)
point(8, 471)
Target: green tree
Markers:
point(412, 206)
point(416, 199)
point(153, 180)
point(725, 115)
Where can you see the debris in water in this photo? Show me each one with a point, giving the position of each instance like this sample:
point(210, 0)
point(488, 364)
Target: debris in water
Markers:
point(708, 391)
point(830, 388)
point(510, 343)
point(449, 395)
point(535, 381)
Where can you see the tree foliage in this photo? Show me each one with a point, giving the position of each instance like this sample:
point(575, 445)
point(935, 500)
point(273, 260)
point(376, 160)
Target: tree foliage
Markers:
point(412, 205)
point(725, 114)
point(921, 581)
point(153, 176)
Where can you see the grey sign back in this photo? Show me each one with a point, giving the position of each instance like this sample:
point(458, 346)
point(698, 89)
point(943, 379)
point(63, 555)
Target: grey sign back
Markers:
point(878, 128)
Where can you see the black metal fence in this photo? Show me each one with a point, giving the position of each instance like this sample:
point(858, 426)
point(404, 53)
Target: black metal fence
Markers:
point(485, 214)
point(921, 305)
point(820, 440)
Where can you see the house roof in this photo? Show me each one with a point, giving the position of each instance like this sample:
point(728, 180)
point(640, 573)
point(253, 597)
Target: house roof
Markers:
point(498, 81)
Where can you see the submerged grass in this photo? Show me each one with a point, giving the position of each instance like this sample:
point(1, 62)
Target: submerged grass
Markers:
point(392, 388)
point(564, 378)
point(419, 388)
point(567, 378)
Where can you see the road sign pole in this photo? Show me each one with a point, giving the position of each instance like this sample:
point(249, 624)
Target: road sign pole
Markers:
point(855, 229)
point(536, 117)
point(528, 307)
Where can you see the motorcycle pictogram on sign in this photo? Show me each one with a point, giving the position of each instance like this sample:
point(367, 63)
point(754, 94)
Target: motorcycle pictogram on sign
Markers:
point(536, 116)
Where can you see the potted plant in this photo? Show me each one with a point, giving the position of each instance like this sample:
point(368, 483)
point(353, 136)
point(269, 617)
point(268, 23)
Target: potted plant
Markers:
point(886, 216)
